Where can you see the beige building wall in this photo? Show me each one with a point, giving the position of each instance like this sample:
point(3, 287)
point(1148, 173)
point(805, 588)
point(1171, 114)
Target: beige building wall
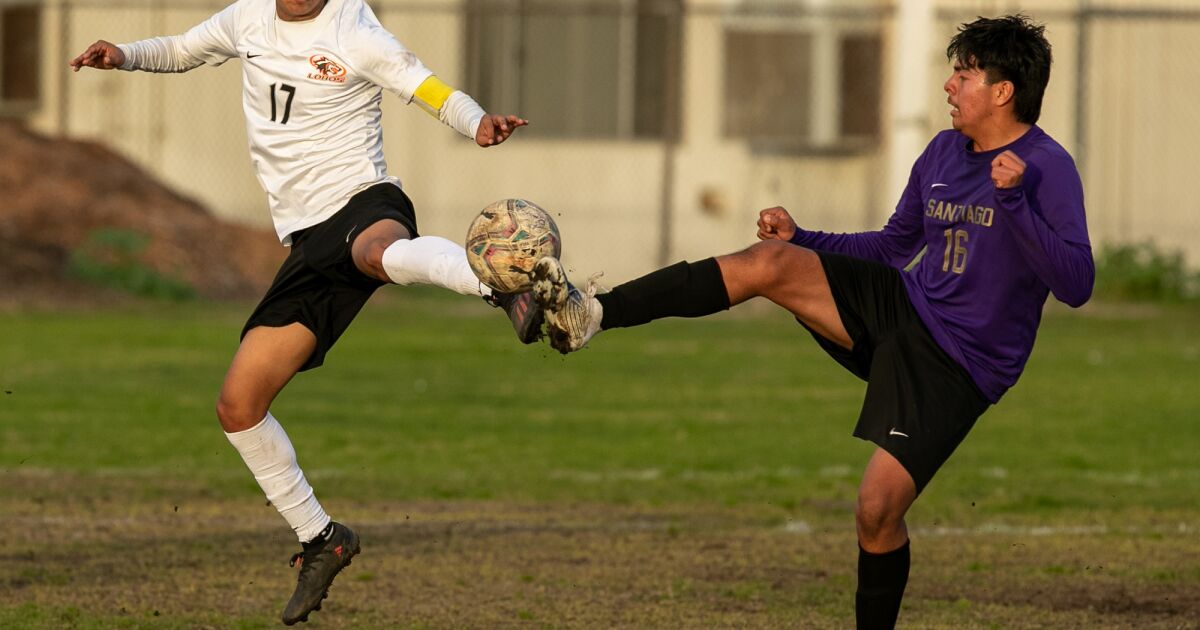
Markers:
point(721, 183)
point(1138, 121)
point(1138, 173)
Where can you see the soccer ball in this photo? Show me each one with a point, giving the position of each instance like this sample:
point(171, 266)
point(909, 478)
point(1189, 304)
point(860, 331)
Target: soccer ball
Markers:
point(506, 240)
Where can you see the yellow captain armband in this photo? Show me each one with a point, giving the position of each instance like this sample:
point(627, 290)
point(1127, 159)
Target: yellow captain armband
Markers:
point(431, 95)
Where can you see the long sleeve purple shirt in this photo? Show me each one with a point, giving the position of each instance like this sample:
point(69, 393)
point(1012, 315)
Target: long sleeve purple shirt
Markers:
point(991, 255)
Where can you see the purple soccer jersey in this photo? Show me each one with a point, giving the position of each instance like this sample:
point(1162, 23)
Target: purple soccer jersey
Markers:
point(991, 255)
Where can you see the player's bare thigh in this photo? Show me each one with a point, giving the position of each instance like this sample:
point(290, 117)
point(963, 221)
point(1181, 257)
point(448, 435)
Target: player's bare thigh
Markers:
point(266, 360)
point(367, 249)
point(789, 276)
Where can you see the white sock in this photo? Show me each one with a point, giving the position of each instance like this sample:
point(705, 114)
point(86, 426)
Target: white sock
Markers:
point(432, 260)
point(268, 453)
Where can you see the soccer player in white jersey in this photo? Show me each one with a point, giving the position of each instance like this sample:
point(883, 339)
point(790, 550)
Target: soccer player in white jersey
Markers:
point(312, 76)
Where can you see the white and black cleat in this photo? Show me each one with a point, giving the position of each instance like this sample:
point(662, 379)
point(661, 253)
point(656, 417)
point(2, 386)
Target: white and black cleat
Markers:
point(572, 316)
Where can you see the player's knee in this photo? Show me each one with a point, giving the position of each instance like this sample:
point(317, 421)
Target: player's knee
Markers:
point(765, 259)
point(368, 257)
point(226, 412)
point(877, 516)
point(776, 263)
point(235, 414)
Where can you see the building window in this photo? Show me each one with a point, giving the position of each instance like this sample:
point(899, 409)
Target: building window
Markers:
point(768, 77)
point(813, 84)
point(577, 68)
point(20, 53)
point(859, 92)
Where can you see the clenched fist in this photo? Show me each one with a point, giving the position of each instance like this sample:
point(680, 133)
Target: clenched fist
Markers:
point(1007, 170)
point(775, 223)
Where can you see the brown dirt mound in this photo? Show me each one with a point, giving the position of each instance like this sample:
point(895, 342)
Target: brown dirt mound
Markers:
point(61, 197)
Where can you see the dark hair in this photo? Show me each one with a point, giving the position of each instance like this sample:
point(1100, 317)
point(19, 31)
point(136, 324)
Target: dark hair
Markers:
point(1010, 48)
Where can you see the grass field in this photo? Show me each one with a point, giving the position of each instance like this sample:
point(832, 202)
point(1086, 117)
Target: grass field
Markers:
point(695, 474)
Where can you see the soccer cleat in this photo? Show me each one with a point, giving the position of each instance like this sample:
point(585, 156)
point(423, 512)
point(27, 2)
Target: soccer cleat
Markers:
point(523, 311)
point(319, 563)
point(572, 316)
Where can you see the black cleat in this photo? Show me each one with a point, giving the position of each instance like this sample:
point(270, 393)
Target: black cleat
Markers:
point(523, 311)
point(319, 563)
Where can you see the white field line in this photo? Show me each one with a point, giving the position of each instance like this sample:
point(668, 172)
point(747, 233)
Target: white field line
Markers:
point(655, 474)
point(1111, 477)
point(1128, 478)
point(1004, 529)
point(1009, 530)
point(792, 526)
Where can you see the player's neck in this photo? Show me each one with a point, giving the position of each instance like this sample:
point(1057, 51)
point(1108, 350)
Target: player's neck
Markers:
point(998, 135)
point(298, 10)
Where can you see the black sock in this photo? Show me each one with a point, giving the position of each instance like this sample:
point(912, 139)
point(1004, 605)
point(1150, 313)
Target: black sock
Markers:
point(881, 581)
point(681, 290)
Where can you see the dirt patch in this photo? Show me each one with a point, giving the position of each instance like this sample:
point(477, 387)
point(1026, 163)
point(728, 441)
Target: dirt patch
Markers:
point(64, 198)
point(1107, 580)
point(194, 561)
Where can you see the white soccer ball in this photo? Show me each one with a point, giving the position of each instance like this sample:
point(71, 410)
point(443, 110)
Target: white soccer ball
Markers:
point(506, 240)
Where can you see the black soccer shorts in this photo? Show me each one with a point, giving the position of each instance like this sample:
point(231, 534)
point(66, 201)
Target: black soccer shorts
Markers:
point(318, 284)
point(920, 403)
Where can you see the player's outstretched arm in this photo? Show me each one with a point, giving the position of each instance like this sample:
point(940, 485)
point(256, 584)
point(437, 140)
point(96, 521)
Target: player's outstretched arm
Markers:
point(775, 224)
point(494, 129)
point(210, 42)
point(101, 55)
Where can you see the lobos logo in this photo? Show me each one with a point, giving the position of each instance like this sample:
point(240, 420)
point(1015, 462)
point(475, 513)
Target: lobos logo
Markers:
point(327, 69)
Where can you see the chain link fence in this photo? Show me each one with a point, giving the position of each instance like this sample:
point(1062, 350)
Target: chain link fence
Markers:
point(659, 127)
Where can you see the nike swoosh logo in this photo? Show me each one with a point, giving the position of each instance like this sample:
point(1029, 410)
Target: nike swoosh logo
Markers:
point(938, 185)
point(895, 432)
point(348, 234)
point(250, 56)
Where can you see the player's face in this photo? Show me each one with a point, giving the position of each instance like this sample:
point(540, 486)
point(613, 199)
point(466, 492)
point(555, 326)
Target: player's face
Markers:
point(298, 10)
point(970, 98)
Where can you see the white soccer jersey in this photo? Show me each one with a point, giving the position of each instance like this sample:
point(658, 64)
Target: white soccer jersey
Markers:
point(311, 93)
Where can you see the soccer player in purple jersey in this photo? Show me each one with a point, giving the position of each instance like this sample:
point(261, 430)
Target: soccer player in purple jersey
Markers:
point(997, 207)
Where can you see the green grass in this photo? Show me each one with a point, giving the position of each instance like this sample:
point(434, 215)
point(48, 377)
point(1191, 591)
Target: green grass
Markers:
point(429, 398)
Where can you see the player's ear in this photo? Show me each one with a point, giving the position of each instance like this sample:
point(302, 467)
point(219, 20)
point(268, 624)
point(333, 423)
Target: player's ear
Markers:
point(1003, 92)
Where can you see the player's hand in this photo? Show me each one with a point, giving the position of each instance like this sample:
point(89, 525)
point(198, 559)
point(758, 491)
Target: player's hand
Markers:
point(775, 223)
point(102, 55)
point(1007, 170)
point(496, 129)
